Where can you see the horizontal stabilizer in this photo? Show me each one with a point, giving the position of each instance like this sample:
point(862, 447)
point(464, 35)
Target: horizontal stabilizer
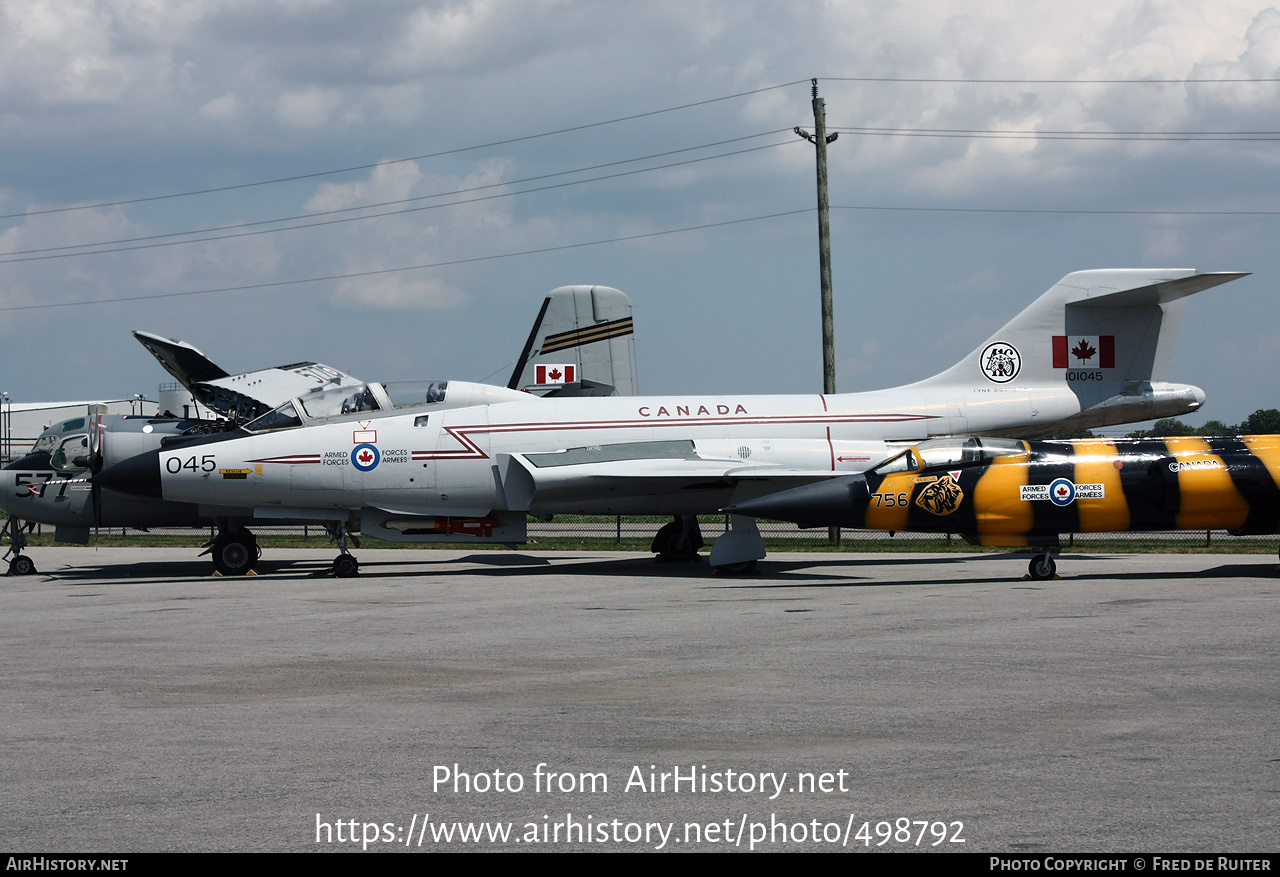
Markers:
point(1107, 289)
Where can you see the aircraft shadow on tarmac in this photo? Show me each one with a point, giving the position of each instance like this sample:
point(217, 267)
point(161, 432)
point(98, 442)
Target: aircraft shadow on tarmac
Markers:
point(171, 570)
point(816, 571)
point(828, 571)
point(802, 575)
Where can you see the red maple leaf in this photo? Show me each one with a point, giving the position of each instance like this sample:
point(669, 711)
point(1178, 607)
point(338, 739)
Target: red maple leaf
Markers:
point(554, 374)
point(1083, 350)
point(365, 456)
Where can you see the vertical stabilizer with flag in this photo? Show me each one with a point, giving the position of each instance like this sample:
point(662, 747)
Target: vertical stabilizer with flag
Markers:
point(1094, 350)
point(582, 344)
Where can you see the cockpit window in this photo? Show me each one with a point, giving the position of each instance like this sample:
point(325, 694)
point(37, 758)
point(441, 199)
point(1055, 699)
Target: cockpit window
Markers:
point(904, 462)
point(951, 452)
point(46, 443)
point(69, 425)
point(71, 448)
point(339, 401)
point(284, 417)
point(408, 394)
point(958, 451)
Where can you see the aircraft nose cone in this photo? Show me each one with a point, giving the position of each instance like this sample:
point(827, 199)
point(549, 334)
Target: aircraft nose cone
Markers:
point(838, 502)
point(138, 475)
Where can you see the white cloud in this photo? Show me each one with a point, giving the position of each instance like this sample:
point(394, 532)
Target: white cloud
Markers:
point(1164, 247)
point(222, 109)
point(109, 99)
point(396, 293)
point(308, 107)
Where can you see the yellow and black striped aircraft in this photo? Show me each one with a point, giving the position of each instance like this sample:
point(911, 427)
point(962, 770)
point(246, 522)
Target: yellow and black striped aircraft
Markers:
point(1009, 492)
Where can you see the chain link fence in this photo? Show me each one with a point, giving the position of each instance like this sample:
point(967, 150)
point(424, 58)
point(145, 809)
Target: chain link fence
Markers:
point(635, 532)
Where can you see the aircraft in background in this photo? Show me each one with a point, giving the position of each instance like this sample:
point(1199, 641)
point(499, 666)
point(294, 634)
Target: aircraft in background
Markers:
point(21, 423)
point(581, 343)
point(1094, 350)
point(1007, 492)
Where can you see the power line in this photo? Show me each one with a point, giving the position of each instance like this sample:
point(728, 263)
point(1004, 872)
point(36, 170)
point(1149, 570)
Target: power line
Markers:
point(282, 283)
point(361, 167)
point(1127, 133)
point(376, 205)
point(1059, 212)
point(327, 222)
point(962, 81)
point(1116, 136)
point(586, 126)
point(297, 282)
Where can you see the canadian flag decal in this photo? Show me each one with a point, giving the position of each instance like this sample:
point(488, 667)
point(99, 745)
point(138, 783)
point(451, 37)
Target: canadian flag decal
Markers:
point(1084, 351)
point(554, 374)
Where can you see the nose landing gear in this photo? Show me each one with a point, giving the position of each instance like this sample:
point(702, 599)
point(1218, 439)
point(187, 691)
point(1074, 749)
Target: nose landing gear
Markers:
point(345, 565)
point(19, 563)
point(1042, 567)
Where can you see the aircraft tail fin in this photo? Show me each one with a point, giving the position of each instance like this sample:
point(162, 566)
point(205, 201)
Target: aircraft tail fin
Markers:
point(582, 344)
point(1105, 335)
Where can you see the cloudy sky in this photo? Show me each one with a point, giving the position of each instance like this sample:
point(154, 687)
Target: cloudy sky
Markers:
point(257, 172)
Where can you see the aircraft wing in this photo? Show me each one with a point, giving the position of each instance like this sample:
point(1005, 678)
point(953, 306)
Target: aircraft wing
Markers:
point(648, 469)
point(582, 344)
point(243, 396)
point(182, 360)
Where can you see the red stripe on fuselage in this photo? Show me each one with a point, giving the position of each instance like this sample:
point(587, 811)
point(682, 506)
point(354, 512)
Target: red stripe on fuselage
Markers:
point(292, 458)
point(471, 451)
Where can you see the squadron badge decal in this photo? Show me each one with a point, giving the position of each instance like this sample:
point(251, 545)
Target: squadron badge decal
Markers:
point(941, 495)
point(1000, 362)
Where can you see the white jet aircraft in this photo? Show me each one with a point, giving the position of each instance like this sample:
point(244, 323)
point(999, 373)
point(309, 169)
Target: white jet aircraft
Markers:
point(581, 344)
point(1092, 351)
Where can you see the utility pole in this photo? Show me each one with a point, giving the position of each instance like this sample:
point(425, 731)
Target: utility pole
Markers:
point(820, 139)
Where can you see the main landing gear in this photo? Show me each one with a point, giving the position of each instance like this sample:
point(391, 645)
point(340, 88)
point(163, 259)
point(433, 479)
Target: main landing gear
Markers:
point(235, 552)
point(19, 563)
point(735, 552)
point(679, 541)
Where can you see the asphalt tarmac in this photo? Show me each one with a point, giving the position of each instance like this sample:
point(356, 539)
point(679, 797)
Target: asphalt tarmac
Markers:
point(834, 701)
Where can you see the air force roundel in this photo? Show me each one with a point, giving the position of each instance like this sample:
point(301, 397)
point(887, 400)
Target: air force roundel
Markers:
point(1061, 492)
point(365, 457)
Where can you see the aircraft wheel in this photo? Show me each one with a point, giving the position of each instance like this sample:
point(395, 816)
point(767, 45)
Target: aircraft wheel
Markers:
point(675, 544)
point(345, 566)
point(1042, 567)
point(234, 554)
point(22, 566)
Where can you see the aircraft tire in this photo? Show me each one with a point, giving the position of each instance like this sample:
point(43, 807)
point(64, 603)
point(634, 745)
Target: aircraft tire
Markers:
point(345, 566)
point(1042, 567)
point(22, 566)
point(234, 554)
point(673, 545)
